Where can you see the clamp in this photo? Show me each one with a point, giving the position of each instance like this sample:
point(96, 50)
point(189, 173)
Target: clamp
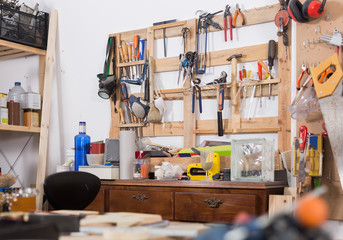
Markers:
point(196, 88)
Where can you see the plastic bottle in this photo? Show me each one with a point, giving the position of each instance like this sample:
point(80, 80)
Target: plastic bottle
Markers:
point(82, 146)
point(15, 95)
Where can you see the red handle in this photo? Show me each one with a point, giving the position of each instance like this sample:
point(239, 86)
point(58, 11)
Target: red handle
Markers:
point(230, 21)
point(259, 67)
point(225, 29)
point(303, 137)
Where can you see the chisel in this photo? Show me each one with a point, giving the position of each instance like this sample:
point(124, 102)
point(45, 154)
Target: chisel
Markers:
point(302, 144)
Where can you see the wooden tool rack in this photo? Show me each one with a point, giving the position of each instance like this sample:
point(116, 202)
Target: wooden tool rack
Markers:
point(190, 127)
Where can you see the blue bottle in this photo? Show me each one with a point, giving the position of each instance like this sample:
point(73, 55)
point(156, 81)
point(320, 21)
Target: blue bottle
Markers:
point(82, 146)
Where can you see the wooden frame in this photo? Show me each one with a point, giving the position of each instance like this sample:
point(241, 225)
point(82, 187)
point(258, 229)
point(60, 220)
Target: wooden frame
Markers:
point(191, 127)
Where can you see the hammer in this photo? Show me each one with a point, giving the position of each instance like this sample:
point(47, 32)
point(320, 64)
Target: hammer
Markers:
point(233, 60)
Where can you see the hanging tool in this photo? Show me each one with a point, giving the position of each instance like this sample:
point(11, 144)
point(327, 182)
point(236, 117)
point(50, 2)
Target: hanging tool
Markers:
point(304, 69)
point(196, 88)
point(186, 66)
point(233, 59)
point(227, 13)
point(281, 21)
point(302, 144)
point(164, 33)
point(237, 13)
point(203, 23)
point(184, 32)
point(331, 101)
point(222, 80)
point(271, 56)
point(126, 103)
point(335, 40)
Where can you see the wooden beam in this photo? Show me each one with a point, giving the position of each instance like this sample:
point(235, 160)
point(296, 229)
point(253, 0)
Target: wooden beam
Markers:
point(169, 25)
point(189, 137)
point(217, 58)
point(16, 128)
point(44, 133)
point(23, 48)
point(128, 36)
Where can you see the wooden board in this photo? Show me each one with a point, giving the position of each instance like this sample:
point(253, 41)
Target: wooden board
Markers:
point(313, 54)
point(45, 119)
point(278, 202)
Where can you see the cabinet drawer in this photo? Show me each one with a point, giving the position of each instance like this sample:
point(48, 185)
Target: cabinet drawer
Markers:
point(209, 207)
point(98, 203)
point(142, 202)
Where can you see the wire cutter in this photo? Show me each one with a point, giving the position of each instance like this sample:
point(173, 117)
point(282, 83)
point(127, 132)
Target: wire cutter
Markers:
point(227, 13)
point(304, 69)
point(196, 88)
point(237, 12)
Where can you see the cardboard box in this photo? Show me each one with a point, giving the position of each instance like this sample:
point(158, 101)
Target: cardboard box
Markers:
point(102, 171)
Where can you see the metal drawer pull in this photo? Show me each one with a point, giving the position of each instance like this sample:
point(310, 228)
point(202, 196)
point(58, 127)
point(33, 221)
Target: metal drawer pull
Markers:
point(140, 197)
point(213, 203)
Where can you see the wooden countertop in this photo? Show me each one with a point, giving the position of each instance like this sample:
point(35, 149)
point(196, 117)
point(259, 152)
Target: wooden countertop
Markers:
point(195, 184)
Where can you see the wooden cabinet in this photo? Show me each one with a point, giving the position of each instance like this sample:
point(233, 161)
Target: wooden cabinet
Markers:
point(186, 200)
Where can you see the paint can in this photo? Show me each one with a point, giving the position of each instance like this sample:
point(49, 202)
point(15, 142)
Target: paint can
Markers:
point(4, 116)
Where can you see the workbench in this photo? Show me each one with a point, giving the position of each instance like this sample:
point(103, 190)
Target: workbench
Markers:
point(193, 201)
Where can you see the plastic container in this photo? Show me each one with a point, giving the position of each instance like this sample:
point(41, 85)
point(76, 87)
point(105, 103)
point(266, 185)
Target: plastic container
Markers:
point(95, 159)
point(15, 95)
point(15, 92)
point(13, 113)
point(82, 146)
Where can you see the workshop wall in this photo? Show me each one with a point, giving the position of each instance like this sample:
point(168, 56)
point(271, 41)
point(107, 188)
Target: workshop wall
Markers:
point(80, 51)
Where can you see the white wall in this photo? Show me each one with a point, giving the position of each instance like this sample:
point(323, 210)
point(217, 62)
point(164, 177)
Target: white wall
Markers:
point(83, 28)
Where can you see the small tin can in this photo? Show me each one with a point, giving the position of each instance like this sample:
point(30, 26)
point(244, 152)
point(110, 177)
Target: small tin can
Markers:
point(3, 100)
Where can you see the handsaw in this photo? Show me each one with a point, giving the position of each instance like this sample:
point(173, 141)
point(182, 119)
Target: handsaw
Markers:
point(330, 96)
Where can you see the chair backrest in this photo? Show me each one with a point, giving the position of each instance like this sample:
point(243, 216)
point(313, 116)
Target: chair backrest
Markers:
point(71, 190)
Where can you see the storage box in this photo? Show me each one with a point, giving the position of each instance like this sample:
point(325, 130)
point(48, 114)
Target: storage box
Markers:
point(24, 28)
point(30, 100)
point(102, 171)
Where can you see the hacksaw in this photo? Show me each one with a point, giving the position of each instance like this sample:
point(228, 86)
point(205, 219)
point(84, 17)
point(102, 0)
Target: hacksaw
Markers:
point(330, 95)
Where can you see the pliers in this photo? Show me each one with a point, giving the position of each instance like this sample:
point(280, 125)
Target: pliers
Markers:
point(196, 88)
point(237, 12)
point(304, 69)
point(227, 13)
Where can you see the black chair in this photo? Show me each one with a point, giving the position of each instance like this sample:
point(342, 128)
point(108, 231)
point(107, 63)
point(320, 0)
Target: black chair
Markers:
point(71, 190)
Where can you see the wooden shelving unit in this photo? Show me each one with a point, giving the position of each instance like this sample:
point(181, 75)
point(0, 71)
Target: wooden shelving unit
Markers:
point(11, 50)
point(190, 127)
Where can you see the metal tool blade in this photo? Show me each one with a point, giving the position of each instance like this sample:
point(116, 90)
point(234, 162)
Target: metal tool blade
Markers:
point(333, 116)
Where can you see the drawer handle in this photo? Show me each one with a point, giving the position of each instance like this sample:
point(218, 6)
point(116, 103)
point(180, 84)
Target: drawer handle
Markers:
point(140, 197)
point(213, 203)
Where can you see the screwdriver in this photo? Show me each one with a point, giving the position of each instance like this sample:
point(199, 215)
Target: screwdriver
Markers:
point(271, 56)
point(285, 42)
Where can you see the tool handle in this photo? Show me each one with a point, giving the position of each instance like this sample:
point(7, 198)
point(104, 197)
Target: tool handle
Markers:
point(299, 80)
point(136, 46)
point(125, 51)
point(230, 22)
point(193, 101)
point(303, 137)
point(271, 53)
point(259, 68)
point(121, 53)
point(141, 48)
point(220, 123)
point(129, 47)
point(124, 91)
point(225, 29)
point(264, 66)
point(200, 102)
point(121, 115)
point(146, 90)
point(240, 75)
point(221, 97)
point(195, 151)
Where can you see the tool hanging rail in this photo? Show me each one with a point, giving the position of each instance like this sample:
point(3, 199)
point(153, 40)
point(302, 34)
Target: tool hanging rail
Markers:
point(190, 127)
